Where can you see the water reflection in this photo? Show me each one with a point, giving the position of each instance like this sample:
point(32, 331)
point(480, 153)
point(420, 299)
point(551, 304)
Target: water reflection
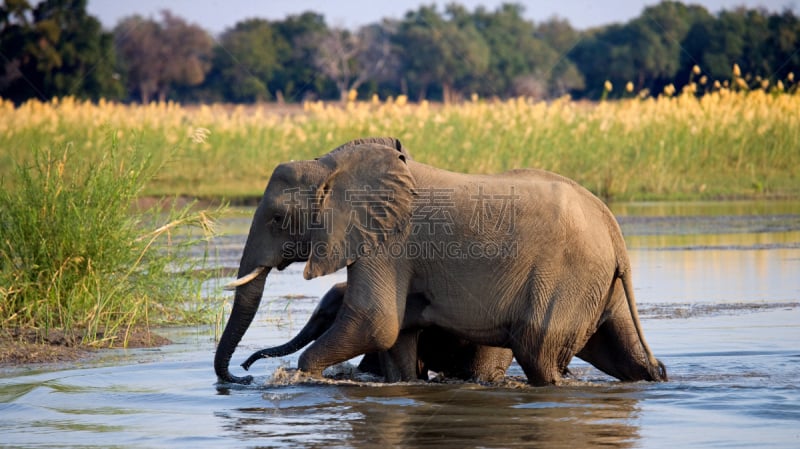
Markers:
point(754, 241)
point(722, 276)
point(707, 208)
point(722, 252)
point(442, 415)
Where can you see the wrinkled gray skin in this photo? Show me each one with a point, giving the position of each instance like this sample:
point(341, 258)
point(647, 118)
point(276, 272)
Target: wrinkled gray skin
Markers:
point(534, 262)
point(436, 350)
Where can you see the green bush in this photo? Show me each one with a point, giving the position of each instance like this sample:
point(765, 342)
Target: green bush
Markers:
point(78, 255)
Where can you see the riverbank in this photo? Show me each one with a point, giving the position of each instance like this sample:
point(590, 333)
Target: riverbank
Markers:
point(27, 346)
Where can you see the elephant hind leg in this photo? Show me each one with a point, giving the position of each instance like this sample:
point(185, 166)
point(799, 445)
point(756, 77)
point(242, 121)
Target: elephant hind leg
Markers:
point(543, 356)
point(539, 369)
point(616, 350)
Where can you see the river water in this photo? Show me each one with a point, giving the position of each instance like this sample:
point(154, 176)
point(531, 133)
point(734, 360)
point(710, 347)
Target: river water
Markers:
point(718, 286)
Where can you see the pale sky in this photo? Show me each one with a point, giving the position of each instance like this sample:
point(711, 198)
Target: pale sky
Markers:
point(217, 15)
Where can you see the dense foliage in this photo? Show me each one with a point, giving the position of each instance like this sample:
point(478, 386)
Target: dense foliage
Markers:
point(75, 256)
point(55, 48)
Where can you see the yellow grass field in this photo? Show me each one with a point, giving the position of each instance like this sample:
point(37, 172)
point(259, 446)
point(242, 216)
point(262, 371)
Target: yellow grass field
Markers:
point(725, 144)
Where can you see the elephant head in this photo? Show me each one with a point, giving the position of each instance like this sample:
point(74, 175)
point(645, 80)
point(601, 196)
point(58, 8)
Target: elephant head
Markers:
point(326, 212)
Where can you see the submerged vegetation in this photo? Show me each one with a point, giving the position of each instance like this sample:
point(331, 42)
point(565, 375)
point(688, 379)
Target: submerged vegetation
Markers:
point(77, 255)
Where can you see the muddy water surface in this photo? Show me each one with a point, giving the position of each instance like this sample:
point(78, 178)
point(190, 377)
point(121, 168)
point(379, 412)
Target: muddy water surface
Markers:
point(718, 286)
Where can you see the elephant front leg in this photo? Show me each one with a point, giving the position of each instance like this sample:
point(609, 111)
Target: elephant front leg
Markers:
point(370, 317)
point(348, 337)
point(369, 321)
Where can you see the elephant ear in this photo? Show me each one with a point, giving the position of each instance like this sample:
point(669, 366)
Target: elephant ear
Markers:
point(365, 201)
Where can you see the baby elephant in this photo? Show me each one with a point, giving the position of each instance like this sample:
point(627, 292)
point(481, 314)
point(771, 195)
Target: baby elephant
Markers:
point(416, 352)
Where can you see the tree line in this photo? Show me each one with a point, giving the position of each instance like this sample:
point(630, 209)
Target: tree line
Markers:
point(56, 48)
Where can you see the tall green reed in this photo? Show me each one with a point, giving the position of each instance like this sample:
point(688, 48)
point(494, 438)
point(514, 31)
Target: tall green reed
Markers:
point(77, 255)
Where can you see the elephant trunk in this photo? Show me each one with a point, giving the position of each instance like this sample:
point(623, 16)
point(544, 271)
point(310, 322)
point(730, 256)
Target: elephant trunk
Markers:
point(306, 336)
point(245, 305)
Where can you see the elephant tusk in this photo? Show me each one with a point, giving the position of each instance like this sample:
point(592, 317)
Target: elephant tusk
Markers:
point(244, 279)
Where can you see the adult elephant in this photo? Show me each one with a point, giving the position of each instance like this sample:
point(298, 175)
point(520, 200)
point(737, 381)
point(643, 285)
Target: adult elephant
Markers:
point(527, 260)
point(435, 349)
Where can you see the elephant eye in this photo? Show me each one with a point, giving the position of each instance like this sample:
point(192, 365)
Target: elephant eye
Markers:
point(276, 219)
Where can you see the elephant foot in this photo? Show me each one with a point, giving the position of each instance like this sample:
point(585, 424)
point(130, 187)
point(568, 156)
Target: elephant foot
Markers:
point(661, 373)
point(231, 379)
point(491, 380)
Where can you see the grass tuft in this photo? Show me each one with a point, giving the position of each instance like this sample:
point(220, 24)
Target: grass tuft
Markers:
point(76, 256)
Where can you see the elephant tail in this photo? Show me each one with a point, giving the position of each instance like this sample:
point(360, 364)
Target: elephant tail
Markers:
point(657, 370)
